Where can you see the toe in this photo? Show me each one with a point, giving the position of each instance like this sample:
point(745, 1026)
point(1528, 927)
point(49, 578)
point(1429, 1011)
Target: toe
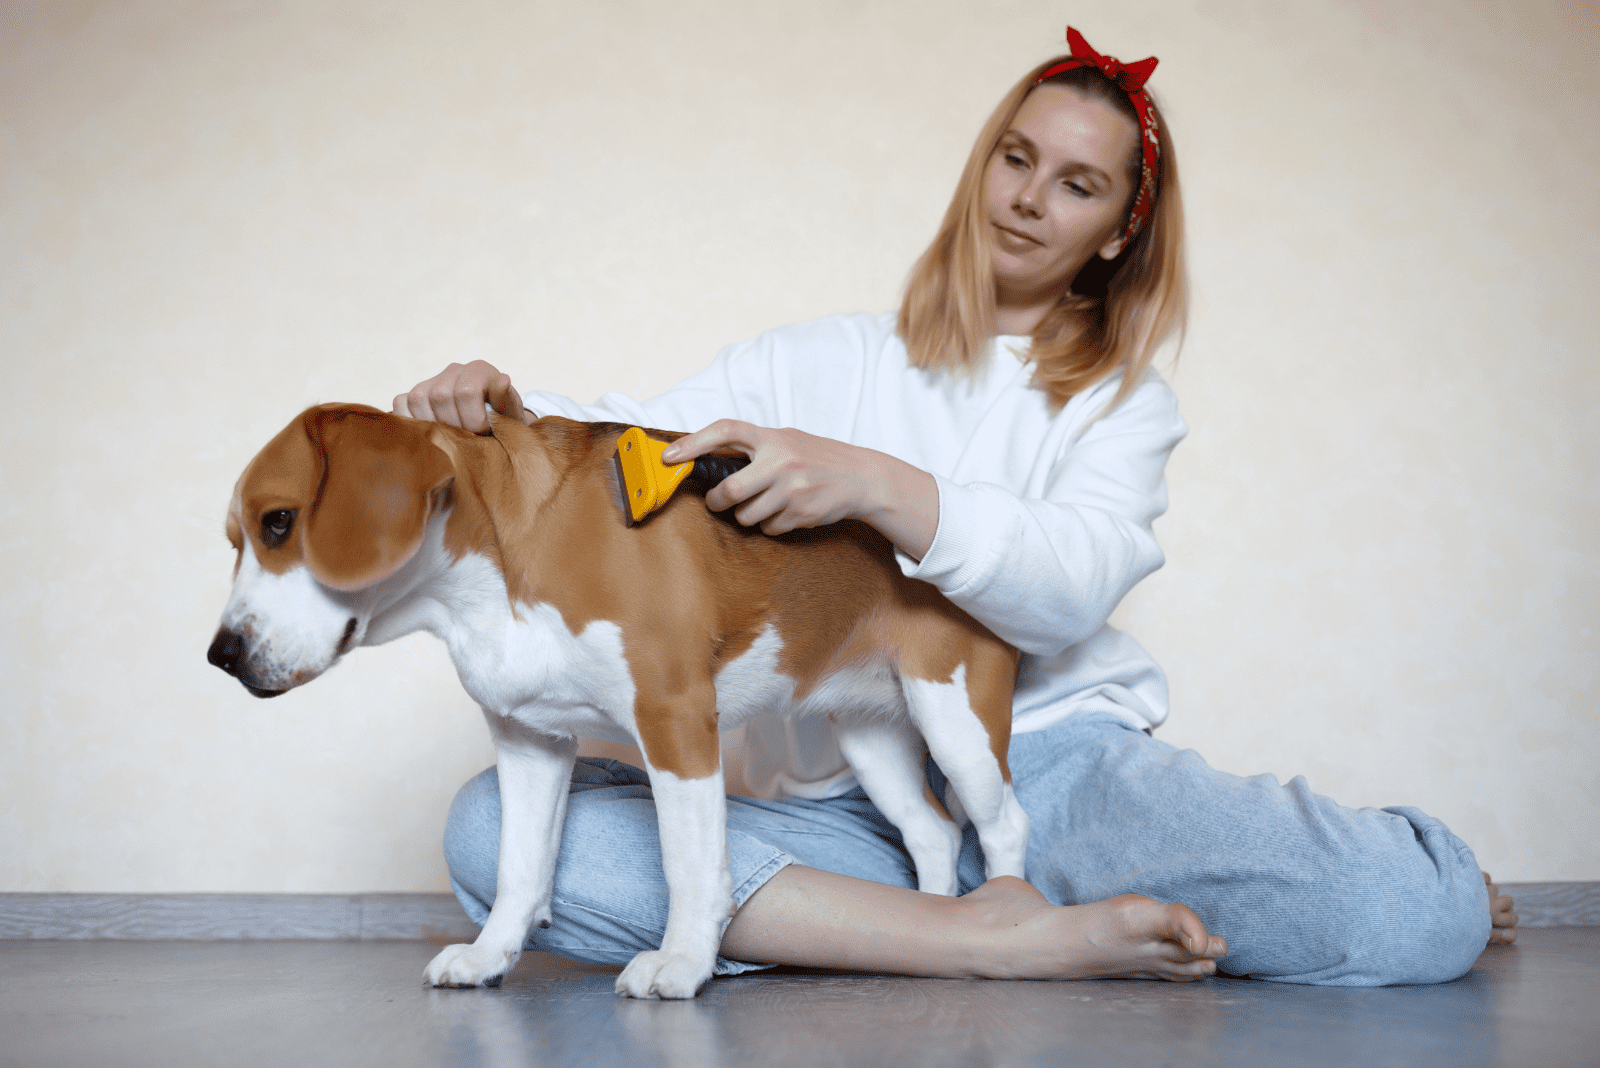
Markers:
point(1185, 928)
point(1184, 971)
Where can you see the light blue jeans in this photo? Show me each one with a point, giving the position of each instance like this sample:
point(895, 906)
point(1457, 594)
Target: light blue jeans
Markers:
point(1304, 890)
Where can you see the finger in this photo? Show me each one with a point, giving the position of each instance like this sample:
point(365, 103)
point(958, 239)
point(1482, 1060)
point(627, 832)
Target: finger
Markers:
point(468, 396)
point(737, 488)
point(731, 434)
point(420, 402)
point(402, 405)
point(758, 509)
point(446, 407)
point(441, 404)
point(505, 399)
point(781, 523)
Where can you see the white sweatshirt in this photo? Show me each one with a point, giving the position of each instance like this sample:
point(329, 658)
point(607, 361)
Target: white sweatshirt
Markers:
point(1044, 518)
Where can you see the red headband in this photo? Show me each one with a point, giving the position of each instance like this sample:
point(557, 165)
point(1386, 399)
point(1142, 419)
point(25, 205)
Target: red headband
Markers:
point(1130, 78)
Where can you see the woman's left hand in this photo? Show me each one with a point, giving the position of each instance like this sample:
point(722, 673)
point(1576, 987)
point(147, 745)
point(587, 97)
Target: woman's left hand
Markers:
point(799, 480)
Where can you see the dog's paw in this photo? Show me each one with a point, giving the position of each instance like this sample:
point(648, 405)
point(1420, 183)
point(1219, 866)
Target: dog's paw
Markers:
point(656, 973)
point(472, 965)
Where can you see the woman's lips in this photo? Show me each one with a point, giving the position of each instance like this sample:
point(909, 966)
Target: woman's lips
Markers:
point(1013, 241)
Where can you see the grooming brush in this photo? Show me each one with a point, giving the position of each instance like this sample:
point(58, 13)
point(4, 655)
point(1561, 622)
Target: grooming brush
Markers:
point(648, 482)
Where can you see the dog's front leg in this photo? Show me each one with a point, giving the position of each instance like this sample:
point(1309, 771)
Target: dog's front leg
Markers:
point(535, 775)
point(692, 817)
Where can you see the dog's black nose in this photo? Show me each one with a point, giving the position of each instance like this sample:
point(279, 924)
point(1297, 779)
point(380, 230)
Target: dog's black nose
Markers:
point(226, 649)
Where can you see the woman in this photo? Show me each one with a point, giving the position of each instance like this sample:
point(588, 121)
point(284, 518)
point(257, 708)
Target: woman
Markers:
point(1007, 434)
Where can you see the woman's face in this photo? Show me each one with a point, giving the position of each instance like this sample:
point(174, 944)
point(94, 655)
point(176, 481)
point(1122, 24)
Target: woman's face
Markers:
point(1056, 192)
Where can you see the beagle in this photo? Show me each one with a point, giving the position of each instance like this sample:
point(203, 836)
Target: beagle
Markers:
point(355, 527)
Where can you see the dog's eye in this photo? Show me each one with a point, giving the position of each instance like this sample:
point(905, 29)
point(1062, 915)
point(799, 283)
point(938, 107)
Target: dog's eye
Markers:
point(275, 527)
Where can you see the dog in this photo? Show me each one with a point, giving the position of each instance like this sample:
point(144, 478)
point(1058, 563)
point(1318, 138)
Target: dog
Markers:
point(355, 527)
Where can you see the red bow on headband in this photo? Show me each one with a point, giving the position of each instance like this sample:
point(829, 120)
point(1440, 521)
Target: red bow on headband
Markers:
point(1130, 77)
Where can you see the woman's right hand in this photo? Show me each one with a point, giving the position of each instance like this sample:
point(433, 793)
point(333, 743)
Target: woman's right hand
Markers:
point(456, 396)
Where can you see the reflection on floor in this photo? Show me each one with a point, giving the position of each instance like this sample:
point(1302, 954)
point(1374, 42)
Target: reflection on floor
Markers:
point(173, 1004)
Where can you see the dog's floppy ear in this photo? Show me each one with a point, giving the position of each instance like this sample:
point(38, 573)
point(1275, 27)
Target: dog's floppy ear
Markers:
point(381, 477)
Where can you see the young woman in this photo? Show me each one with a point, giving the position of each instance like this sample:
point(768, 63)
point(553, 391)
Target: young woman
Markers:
point(1007, 434)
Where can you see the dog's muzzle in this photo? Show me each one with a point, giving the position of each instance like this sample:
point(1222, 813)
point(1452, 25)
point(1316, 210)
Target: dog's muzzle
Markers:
point(227, 652)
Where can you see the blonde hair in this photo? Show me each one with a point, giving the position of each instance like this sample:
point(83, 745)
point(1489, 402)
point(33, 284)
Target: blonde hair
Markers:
point(1113, 316)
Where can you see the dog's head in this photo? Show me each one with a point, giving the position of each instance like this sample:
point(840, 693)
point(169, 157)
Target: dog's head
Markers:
point(324, 520)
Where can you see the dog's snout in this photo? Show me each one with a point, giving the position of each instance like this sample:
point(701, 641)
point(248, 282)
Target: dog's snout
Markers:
point(227, 648)
point(227, 652)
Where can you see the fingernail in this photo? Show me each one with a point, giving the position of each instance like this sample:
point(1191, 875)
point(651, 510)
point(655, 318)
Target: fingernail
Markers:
point(670, 454)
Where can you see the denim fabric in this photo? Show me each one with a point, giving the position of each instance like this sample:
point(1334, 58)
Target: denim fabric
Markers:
point(1304, 890)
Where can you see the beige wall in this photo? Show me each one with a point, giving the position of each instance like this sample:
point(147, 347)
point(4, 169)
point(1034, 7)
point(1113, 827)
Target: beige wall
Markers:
point(1383, 538)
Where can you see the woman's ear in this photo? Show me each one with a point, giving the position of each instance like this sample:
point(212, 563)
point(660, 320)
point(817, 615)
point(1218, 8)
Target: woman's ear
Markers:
point(381, 480)
point(1111, 249)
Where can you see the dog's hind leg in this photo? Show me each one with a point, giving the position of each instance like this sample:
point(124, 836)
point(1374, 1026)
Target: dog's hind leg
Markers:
point(535, 775)
point(890, 761)
point(968, 740)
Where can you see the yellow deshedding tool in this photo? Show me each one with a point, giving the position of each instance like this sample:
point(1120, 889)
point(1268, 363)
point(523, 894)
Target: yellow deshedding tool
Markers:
point(647, 481)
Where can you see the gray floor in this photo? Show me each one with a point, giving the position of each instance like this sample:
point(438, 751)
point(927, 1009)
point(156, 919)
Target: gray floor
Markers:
point(176, 1004)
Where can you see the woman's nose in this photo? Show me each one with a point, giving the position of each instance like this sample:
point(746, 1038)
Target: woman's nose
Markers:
point(1027, 202)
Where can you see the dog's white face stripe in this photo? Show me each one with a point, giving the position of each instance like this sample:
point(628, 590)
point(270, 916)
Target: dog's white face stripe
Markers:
point(293, 627)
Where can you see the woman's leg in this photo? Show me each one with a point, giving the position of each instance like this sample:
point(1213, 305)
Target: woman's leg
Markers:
point(1308, 891)
point(1304, 890)
point(1004, 929)
point(835, 890)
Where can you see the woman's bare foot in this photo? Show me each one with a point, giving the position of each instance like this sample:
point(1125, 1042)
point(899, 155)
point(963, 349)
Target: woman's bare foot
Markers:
point(1005, 929)
point(1503, 914)
point(1020, 935)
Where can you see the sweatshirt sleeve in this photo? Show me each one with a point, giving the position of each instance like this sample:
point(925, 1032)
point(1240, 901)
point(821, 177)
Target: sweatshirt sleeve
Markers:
point(746, 381)
point(1045, 573)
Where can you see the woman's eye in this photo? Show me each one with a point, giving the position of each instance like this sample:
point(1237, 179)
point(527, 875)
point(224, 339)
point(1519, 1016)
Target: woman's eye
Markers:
point(1078, 190)
point(275, 527)
point(1015, 160)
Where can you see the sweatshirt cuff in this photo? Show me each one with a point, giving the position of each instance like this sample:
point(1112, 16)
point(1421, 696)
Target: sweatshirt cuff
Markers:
point(959, 551)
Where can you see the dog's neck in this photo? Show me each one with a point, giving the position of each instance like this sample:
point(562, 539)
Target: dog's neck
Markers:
point(480, 554)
